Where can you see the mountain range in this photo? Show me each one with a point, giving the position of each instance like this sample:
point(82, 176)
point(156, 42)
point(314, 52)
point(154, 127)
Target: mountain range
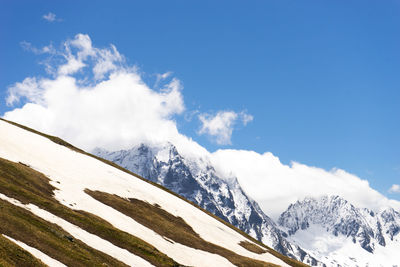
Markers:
point(196, 180)
point(328, 231)
point(338, 233)
point(61, 206)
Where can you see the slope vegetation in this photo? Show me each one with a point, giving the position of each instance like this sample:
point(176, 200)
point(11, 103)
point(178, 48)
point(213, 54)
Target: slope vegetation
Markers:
point(58, 199)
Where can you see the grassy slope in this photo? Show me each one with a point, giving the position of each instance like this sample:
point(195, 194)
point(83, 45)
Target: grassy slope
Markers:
point(49, 238)
point(13, 255)
point(251, 247)
point(170, 226)
point(20, 182)
point(59, 141)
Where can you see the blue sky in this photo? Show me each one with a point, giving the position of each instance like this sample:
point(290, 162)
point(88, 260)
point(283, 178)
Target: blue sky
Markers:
point(320, 78)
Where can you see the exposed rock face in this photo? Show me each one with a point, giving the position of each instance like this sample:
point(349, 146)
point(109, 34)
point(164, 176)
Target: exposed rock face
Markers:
point(339, 217)
point(196, 180)
point(336, 217)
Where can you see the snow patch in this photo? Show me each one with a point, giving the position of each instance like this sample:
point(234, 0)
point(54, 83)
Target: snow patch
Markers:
point(91, 240)
point(37, 253)
point(75, 172)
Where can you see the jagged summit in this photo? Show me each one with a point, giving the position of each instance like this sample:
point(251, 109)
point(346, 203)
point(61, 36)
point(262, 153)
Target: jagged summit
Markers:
point(64, 207)
point(196, 180)
point(331, 220)
point(325, 231)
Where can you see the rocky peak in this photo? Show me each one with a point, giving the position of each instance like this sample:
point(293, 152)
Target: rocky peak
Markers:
point(340, 217)
point(196, 180)
point(390, 220)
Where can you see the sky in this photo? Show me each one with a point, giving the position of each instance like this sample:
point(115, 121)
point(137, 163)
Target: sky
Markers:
point(310, 84)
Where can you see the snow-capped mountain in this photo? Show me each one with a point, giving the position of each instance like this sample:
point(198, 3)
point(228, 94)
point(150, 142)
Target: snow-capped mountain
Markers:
point(61, 206)
point(327, 231)
point(340, 234)
point(196, 180)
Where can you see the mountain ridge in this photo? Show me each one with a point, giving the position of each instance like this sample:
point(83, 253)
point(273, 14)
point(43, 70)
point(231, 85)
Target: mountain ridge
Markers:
point(332, 219)
point(71, 172)
point(197, 181)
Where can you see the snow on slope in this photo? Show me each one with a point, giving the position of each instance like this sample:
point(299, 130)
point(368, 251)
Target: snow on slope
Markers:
point(340, 234)
point(72, 172)
point(37, 253)
point(342, 251)
point(195, 178)
point(90, 239)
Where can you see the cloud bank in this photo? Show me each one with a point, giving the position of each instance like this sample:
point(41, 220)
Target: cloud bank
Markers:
point(91, 98)
point(275, 185)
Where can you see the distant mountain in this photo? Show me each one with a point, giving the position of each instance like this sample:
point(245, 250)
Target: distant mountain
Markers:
point(339, 234)
point(196, 180)
point(328, 231)
point(60, 206)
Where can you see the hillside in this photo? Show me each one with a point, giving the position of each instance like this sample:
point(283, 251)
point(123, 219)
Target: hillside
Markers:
point(196, 179)
point(327, 231)
point(63, 206)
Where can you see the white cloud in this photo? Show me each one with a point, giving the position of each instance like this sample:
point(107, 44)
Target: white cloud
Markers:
point(115, 109)
point(394, 189)
point(49, 49)
point(220, 126)
point(51, 17)
point(275, 185)
point(28, 88)
point(246, 118)
point(114, 113)
point(162, 77)
point(80, 50)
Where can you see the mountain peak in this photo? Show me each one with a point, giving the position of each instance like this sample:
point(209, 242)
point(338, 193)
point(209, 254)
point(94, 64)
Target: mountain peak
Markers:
point(95, 213)
point(332, 218)
point(195, 179)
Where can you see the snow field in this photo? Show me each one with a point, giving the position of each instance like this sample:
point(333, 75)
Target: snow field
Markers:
point(72, 172)
point(334, 250)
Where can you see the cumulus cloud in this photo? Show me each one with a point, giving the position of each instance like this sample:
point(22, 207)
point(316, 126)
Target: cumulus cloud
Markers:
point(50, 17)
point(394, 189)
point(220, 126)
point(79, 52)
point(28, 88)
point(115, 112)
point(92, 99)
point(275, 185)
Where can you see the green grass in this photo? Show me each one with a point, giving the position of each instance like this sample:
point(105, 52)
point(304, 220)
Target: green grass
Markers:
point(20, 182)
point(290, 261)
point(251, 247)
point(13, 255)
point(171, 227)
point(49, 238)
